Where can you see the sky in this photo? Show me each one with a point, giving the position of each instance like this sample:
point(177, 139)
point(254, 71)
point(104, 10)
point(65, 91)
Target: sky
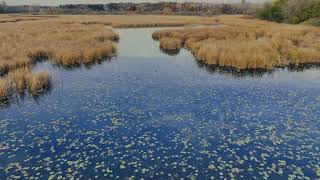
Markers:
point(58, 2)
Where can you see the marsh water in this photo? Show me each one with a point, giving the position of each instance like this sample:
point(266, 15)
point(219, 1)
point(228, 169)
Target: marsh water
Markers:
point(158, 116)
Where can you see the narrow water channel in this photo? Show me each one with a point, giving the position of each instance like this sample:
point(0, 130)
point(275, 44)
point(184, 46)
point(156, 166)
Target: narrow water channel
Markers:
point(150, 114)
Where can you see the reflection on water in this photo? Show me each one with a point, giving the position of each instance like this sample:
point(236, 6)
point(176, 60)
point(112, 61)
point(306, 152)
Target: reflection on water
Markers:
point(87, 65)
point(233, 71)
point(171, 52)
point(147, 114)
point(211, 68)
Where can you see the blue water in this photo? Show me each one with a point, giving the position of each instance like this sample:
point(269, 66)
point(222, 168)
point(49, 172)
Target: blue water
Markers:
point(152, 115)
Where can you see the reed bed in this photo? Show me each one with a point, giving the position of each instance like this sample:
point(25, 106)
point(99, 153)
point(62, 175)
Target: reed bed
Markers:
point(170, 43)
point(255, 44)
point(249, 54)
point(137, 21)
point(23, 80)
point(26, 42)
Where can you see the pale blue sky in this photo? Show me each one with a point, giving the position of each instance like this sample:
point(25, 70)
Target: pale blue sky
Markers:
point(57, 2)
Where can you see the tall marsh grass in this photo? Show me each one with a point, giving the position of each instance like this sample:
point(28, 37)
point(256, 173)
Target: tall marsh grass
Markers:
point(170, 43)
point(23, 80)
point(137, 21)
point(250, 45)
point(23, 43)
point(249, 54)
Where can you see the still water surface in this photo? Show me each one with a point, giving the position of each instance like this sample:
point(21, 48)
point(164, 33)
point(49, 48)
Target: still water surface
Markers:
point(152, 115)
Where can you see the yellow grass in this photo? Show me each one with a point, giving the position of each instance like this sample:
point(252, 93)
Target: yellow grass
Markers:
point(136, 21)
point(249, 44)
point(21, 80)
point(238, 53)
point(170, 43)
point(25, 40)
point(23, 43)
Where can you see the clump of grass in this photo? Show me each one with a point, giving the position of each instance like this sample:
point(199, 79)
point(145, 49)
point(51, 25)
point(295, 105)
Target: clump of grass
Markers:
point(170, 43)
point(237, 54)
point(91, 53)
point(23, 80)
point(4, 90)
point(38, 83)
point(95, 54)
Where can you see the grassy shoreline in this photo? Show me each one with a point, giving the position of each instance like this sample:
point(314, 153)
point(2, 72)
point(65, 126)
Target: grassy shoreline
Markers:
point(249, 43)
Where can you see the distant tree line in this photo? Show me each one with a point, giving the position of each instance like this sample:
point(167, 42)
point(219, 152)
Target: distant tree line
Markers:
point(186, 8)
point(162, 7)
point(292, 11)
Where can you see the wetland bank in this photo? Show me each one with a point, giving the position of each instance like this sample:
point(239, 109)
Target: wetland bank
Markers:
point(143, 113)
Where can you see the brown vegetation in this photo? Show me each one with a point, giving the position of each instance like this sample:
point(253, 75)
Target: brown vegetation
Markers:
point(23, 43)
point(136, 21)
point(170, 43)
point(66, 44)
point(249, 43)
point(21, 80)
